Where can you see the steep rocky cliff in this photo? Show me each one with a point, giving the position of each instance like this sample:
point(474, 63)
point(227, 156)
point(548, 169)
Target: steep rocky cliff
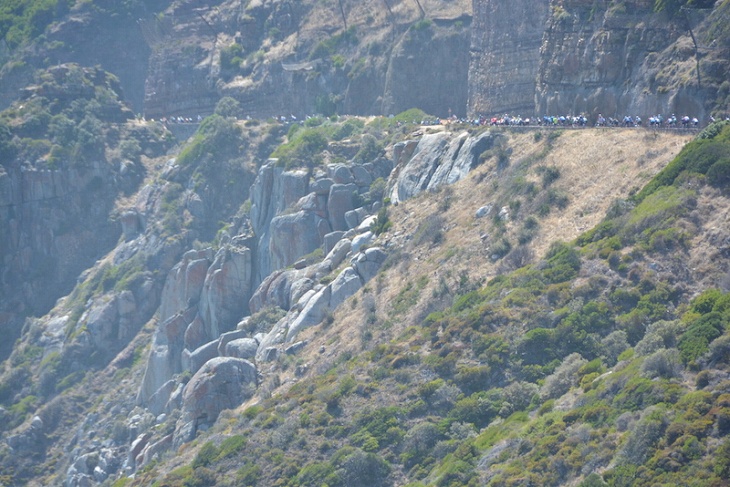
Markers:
point(615, 58)
point(61, 174)
point(282, 58)
point(596, 60)
point(278, 57)
point(506, 38)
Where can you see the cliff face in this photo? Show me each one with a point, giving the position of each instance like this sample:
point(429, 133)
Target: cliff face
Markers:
point(56, 223)
point(598, 60)
point(581, 56)
point(281, 58)
point(57, 194)
point(505, 55)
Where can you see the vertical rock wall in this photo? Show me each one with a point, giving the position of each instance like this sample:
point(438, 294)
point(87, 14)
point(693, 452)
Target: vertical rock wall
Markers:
point(505, 55)
point(428, 69)
point(602, 57)
point(54, 224)
point(538, 57)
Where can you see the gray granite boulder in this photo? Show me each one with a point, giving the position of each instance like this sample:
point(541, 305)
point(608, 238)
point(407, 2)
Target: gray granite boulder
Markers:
point(244, 348)
point(222, 383)
point(340, 201)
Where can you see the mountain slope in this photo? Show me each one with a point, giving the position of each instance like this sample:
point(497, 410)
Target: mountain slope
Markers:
point(405, 330)
point(223, 291)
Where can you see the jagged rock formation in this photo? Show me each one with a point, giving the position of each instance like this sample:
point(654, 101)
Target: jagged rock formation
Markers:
point(194, 321)
point(204, 296)
point(314, 209)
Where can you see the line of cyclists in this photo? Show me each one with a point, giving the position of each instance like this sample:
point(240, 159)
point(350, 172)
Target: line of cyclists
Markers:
point(655, 121)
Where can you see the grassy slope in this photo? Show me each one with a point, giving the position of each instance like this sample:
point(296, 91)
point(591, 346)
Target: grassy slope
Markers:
point(431, 376)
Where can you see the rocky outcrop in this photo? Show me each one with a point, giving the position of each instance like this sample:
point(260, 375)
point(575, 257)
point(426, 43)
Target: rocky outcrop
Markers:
point(295, 235)
point(204, 296)
point(274, 190)
point(292, 216)
point(319, 302)
point(114, 319)
point(226, 290)
point(222, 383)
point(436, 160)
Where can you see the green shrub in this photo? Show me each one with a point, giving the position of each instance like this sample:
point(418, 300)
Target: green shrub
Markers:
point(548, 175)
point(314, 474)
point(663, 363)
point(332, 44)
point(228, 107)
point(418, 442)
point(382, 223)
point(303, 149)
point(380, 423)
point(722, 460)
point(720, 349)
point(350, 127)
point(370, 149)
point(231, 446)
point(216, 139)
point(231, 57)
point(644, 437)
point(562, 263)
point(478, 409)
point(429, 231)
point(248, 474)
point(564, 377)
point(473, 379)
point(719, 173)
point(705, 302)
point(696, 157)
point(593, 480)
point(356, 468)
point(423, 24)
point(500, 248)
point(537, 346)
point(206, 455)
point(695, 341)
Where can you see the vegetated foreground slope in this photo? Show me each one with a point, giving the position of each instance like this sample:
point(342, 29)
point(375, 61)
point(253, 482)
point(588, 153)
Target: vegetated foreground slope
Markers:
point(478, 354)
point(598, 362)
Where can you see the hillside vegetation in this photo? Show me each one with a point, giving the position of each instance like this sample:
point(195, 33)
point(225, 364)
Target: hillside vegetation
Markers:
point(487, 353)
point(602, 361)
point(218, 267)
